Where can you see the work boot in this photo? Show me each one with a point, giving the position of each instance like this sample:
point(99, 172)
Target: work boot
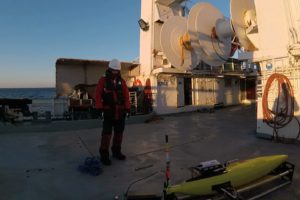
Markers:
point(118, 155)
point(116, 147)
point(105, 158)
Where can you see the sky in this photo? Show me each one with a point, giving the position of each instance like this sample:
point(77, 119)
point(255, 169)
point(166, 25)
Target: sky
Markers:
point(35, 33)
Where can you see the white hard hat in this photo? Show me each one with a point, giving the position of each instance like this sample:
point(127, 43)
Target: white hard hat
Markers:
point(115, 64)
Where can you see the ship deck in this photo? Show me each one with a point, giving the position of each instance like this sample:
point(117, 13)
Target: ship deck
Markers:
point(42, 163)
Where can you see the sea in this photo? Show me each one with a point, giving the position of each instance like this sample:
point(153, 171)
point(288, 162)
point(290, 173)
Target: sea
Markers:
point(29, 93)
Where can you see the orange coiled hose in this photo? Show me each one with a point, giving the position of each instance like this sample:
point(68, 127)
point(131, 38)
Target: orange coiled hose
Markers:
point(282, 112)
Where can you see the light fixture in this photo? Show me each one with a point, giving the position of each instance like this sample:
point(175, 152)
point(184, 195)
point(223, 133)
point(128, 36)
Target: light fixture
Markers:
point(143, 25)
point(269, 66)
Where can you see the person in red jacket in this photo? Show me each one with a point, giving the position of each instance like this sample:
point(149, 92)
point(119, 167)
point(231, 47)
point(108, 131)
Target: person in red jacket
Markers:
point(112, 103)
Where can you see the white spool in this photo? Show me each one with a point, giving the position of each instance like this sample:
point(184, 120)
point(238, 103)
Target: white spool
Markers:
point(172, 30)
point(241, 11)
point(202, 22)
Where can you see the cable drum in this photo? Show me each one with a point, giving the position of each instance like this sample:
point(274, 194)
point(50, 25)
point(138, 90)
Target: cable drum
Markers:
point(282, 112)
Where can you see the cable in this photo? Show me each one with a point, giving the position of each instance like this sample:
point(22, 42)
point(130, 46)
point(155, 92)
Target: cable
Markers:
point(91, 164)
point(283, 113)
point(85, 146)
point(134, 182)
point(167, 174)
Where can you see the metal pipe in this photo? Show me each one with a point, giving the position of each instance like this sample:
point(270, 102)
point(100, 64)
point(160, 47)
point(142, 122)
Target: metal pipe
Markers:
point(270, 190)
point(264, 181)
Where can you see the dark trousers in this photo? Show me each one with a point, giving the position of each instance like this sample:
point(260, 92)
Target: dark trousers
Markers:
point(108, 126)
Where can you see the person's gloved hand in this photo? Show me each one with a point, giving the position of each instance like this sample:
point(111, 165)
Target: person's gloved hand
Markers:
point(100, 113)
point(127, 113)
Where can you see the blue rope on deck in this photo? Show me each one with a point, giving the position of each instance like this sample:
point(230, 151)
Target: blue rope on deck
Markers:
point(92, 166)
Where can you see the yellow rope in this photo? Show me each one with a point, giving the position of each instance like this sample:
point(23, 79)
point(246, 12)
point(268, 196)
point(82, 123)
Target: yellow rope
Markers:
point(185, 44)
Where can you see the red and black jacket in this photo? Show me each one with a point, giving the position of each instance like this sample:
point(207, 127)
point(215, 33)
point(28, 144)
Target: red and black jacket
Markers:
point(112, 95)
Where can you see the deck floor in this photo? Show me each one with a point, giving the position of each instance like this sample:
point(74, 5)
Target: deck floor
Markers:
point(43, 165)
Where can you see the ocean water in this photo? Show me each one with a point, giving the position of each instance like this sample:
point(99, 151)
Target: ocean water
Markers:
point(29, 93)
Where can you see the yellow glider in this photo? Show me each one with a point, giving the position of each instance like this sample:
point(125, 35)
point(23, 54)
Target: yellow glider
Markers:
point(238, 174)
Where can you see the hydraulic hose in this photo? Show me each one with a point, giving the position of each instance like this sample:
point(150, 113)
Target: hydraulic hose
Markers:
point(282, 112)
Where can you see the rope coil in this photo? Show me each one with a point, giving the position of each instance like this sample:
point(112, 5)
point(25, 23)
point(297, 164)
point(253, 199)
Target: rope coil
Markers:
point(282, 112)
